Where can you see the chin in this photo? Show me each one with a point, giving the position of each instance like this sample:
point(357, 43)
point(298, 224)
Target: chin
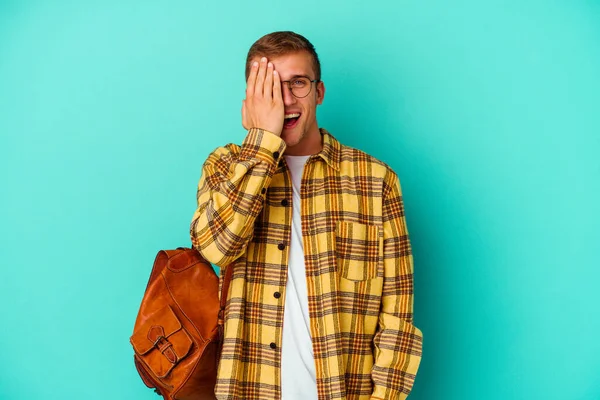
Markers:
point(293, 137)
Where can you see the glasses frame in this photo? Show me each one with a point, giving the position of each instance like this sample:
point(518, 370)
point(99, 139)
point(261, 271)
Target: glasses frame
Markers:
point(301, 76)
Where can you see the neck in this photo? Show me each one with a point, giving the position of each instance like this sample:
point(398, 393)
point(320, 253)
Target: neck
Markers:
point(312, 143)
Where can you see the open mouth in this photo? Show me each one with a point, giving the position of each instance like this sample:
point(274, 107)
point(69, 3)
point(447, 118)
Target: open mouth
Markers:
point(291, 120)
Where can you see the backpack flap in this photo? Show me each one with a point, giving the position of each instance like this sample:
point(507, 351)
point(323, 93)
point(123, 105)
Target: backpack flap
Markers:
point(161, 342)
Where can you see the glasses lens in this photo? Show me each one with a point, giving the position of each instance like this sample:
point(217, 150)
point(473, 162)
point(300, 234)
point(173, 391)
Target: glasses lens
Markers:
point(300, 87)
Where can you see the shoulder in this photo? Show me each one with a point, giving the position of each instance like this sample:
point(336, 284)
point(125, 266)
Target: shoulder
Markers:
point(355, 159)
point(352, 161)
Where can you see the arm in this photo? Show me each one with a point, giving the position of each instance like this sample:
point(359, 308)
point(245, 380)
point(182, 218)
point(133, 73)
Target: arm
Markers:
point(232, 186)
point(398, 343)
point(231, 195)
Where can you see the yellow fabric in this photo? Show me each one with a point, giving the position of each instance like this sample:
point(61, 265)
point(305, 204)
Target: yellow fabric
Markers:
point(359, 268)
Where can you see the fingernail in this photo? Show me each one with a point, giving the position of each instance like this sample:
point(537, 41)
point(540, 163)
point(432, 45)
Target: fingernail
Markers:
point(270, 65)
point(255, 64)
point(264, 59)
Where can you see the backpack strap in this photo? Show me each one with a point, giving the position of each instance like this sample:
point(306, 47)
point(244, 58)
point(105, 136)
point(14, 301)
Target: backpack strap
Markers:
point(224, 291)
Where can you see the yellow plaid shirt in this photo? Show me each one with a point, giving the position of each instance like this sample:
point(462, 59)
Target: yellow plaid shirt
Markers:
point(359, 268)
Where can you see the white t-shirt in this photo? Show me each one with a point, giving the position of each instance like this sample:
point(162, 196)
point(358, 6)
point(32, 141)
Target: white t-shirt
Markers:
point(298, 374)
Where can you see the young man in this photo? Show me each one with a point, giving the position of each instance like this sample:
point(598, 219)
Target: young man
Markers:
point(321, 301)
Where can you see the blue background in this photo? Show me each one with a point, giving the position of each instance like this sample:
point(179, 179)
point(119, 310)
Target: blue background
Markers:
point(488, 111)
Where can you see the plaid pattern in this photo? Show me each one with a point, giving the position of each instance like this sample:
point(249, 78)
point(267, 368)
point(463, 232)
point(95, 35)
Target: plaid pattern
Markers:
point(359, 268)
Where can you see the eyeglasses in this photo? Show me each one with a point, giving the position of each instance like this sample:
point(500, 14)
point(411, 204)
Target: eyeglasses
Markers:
point(300, 86)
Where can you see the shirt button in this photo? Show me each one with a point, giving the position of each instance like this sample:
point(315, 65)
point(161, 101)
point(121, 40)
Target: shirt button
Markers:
point(263, 190)
point(276, 155)
point(284, 202)
point(273, 345)
point(277, 295)
point(281, 246)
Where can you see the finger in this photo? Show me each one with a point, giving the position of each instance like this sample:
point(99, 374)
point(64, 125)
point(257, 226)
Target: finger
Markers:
point(251, 79)
point(268, 90)
point(260, 79)
point(277, 87)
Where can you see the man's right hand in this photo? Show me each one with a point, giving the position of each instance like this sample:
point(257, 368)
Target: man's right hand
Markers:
point(263, 107)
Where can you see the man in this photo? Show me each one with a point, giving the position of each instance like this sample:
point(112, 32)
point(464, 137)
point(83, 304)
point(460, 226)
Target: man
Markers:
point(321, 301)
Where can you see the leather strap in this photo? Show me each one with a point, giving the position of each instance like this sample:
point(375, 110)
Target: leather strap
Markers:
point(224, 291)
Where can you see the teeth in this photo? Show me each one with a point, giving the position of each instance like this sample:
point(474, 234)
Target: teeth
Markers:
point(291, 116)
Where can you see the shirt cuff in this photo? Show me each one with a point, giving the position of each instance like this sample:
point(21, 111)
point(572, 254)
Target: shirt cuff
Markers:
point(263, 145)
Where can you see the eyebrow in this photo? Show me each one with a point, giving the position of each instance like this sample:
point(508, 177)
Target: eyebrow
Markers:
point(297, 76)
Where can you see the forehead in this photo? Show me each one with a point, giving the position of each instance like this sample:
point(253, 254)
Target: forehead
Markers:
point(293, 64)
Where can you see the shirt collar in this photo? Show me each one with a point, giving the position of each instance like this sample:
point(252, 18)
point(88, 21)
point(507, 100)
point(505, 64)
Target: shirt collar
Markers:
point(332, 150)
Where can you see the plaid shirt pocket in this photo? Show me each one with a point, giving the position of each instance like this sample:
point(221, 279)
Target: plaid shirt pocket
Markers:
point(357, 250)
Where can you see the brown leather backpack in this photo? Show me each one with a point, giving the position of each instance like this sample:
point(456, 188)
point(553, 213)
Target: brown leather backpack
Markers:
point(179, 328)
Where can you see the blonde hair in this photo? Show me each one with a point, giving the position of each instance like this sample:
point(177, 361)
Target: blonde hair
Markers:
point(282, 43)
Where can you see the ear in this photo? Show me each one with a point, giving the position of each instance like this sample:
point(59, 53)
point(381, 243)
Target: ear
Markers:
point(320, 92)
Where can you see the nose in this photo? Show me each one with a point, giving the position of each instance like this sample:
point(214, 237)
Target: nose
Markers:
point(286, 93)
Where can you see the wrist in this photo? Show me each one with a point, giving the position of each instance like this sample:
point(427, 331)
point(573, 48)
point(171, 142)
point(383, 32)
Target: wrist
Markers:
point(271, 129)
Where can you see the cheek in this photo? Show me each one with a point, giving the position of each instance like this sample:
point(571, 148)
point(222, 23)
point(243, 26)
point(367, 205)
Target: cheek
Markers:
point(309, 108)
